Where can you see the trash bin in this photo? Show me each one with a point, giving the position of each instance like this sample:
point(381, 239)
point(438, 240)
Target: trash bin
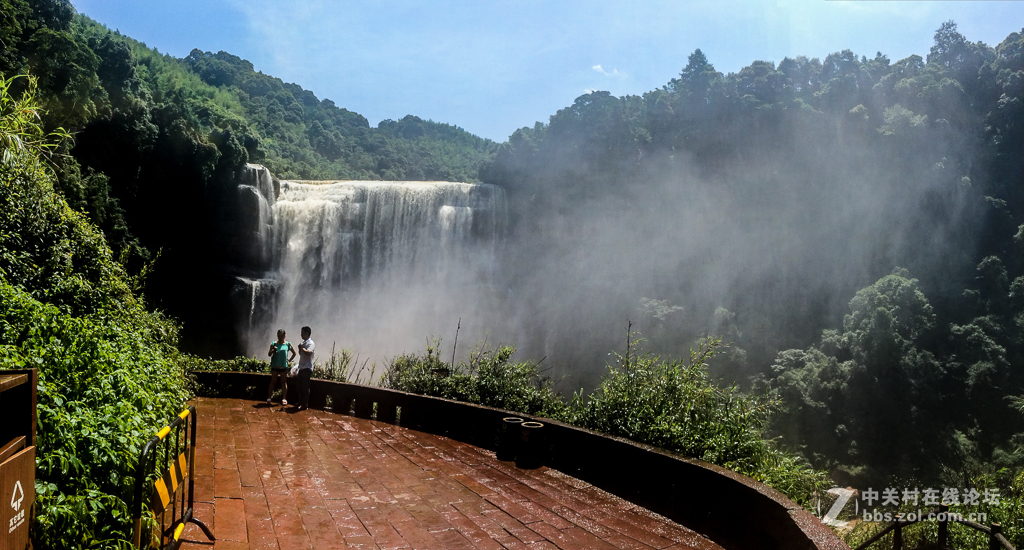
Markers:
point(508, 437)
point(532, 447)
point(17, 457)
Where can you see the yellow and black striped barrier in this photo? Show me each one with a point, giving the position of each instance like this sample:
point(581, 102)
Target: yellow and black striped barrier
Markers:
point(170, 509)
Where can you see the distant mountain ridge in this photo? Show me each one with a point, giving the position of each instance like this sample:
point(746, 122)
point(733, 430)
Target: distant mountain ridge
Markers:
point(307, 138)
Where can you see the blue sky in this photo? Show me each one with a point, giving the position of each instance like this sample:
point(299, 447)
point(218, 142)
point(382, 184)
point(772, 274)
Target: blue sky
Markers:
point(491, 67)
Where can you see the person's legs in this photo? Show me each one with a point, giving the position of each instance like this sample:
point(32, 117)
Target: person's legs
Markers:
point(270, 388)
point(284, 388)
point(304, 376)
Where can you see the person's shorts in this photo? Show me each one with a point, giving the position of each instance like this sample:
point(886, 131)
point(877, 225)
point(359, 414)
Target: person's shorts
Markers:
point(279, 370)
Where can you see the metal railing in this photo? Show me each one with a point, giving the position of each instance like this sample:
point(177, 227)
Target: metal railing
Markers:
point(996, 539)
point(165, 496)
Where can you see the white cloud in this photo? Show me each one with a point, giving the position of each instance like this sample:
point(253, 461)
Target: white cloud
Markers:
point(613, 73)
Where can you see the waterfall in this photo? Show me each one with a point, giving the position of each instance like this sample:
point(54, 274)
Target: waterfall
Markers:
point(253, 299)
point(374, 265)
point(255, 288)
point(255, 212)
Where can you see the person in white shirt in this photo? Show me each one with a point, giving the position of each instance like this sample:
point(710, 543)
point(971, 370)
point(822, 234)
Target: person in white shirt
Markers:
point(306, 351)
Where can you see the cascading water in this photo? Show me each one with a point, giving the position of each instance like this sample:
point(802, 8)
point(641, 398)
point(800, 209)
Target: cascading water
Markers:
point(256, 195)
point(376, 267)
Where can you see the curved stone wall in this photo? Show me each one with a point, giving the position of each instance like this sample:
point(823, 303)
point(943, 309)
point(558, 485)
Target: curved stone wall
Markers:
point(733, 510)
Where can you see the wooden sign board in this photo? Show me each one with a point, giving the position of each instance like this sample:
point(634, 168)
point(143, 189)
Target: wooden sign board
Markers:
point(17, 493)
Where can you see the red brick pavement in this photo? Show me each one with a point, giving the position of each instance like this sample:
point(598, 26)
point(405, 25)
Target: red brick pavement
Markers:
point(274, 478)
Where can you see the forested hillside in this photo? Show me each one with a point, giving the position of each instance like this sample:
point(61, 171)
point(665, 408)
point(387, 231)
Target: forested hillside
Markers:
point(157, 141)
point(862, 211)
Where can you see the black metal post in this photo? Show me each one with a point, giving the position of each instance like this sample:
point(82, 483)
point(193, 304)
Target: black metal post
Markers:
point(897, 534)
point(943, 524)
point(140, 480)
point(192, 460)
point(993, 541)
point(176, 466)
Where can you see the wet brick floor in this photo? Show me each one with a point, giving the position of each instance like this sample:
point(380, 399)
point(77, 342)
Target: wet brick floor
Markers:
point(271, 477)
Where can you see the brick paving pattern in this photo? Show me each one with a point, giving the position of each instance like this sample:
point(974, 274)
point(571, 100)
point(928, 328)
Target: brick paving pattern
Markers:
point(274, 478)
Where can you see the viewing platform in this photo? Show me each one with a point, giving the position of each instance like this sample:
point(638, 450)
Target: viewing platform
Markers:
point(368, 467)
point(280, 478)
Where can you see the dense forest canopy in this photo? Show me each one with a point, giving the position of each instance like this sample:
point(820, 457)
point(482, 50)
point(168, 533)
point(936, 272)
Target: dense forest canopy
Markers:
point(852, 224)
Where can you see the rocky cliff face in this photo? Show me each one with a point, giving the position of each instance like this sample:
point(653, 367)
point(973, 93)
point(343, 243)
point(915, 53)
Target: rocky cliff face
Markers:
point(247, 219)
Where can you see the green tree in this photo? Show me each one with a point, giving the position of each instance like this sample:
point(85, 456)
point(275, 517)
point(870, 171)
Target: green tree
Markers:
point(871, 394)
point(696, 79)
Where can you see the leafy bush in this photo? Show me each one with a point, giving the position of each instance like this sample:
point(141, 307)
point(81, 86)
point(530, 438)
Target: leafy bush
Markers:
point(489, 378)
point(338, 366)
point(429, 375)
point(192, 363)
point(676, 406)
point(105, 387)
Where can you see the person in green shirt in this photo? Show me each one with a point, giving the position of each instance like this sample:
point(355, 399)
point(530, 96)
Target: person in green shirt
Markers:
point(279, 360)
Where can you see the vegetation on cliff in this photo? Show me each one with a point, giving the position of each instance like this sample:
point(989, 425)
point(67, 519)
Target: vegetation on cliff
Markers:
point(107, 367)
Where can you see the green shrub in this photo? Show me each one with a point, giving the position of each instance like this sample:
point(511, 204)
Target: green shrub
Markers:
point(338, 367)
point(513, 386)
point(192, 363)
point(428, 375)
point(105, 388)
point(488, 378)
point(675, 405)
